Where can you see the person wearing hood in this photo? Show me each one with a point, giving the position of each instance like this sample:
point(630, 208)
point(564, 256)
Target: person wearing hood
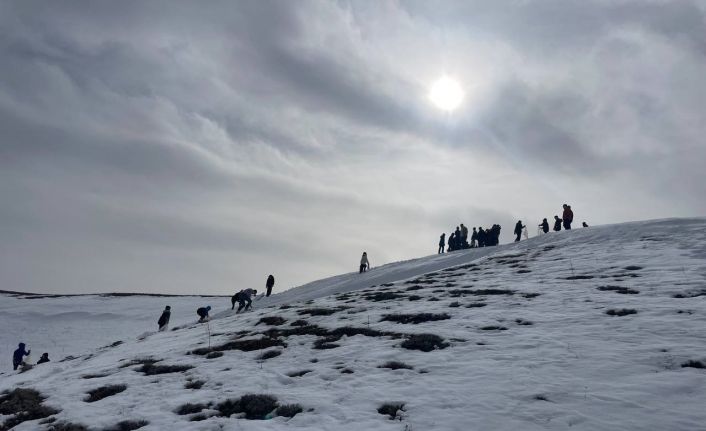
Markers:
point(364, 263)
point(568, 216)
point(163, 321)
point(474, 238)
point(545, 226)
point(270, 284)
point(442, 243)
point(557, 223)
point(18, 356)
point(203, 314)
point(43, 359)
point(518, 230)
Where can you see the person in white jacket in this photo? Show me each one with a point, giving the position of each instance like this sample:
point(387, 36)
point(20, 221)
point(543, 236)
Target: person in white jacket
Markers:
point(364, 264)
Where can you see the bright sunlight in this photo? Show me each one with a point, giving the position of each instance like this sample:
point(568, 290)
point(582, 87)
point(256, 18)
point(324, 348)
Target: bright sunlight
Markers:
point(446, 94)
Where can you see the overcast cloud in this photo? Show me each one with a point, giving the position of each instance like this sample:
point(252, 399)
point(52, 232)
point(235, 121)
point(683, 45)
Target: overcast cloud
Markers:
point(191, 147)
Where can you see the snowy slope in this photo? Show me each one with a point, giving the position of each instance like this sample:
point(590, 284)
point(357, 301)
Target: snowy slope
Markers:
point(530, 344)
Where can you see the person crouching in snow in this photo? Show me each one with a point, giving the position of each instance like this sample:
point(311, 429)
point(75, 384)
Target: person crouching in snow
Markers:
point(43, 359)
point(163, 321)
point(203, 314)
point(18, 356)
point(364, 264)
point(243, 297)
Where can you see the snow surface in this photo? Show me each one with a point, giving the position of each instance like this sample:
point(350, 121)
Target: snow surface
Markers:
point(573, 366)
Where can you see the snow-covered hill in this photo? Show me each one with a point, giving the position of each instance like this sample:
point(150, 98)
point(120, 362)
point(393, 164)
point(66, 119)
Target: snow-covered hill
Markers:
point(596, 329)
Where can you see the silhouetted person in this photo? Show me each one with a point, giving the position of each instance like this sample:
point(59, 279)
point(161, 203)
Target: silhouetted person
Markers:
point(518, 230)
point(557, 223)
point(270, 284)
point(163, 321)
point(464, 236)
point(584, 224)
point(203, 314)
point(452, 241)
point(18, 356)
point(474, 237)
point(568, 217)
point(545, 226)
point(364, 264)
point(43, 359)
point(457, 239)
point(243, 298)
point(481, 237)
point(442, 243)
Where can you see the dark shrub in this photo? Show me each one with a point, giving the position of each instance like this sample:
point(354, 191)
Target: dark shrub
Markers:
point(269, 354)
point(414, 318)
point(298, 373)
point(523, 322)
point(633, 268)
point(213, 355)
point(141, 361)
point(103, 392)
point(67, 426)
point(414, 297)
point(300, 322)
point(391, 409)
point(383, 296)
point(531, 295)
point(244, 345)
point(396, 365)
point(285, 307)
point(199, 417)
point(321, 311)
point(415, 287)
point(189, 408)
point(490, 292)
point(493, 328)
point(254, 406)
point(289, 410)
point(153, 369)
point(346, 371)
point(580, 277)
point(621, 312)
point(619, 289)
point(693, 364)
point(271, 320)
point(476, 305)
point(325, 343)
point(25, 405)
point(195, 384)
point(128, 425)
point(94, 376)
point(424, 342)
point(455, 304)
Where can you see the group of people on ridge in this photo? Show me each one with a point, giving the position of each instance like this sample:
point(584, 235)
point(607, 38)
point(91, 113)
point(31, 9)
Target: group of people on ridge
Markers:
point(20, 356)
point(458, 240)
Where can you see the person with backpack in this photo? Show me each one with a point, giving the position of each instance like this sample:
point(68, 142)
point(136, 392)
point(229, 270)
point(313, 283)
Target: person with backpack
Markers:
point(568, 216)
point(518, 230)
point(43, 359)
point(557, 223)
point(203, 314)
point(163, 322)
point(544, 225)
point(442, 243)
point(18, 355)
point(364, 263)
point(270, 284)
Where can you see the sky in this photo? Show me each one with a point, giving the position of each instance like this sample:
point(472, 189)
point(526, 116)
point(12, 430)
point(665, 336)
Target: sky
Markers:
point(183, 147)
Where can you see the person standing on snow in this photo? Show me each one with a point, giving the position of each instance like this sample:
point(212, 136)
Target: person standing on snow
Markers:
point(457, 239)
point(557, 223)
point(451, 242)
point(568, 217)
point(364, 264)
point(442, 243)
point(545, 226)
point(18, 356)
point(43, 359)
point(464, 236)
point(518, 230)
point(474, 237)
point(270, 284)
point(163, 321)
point(481, 237)
point(203, 314)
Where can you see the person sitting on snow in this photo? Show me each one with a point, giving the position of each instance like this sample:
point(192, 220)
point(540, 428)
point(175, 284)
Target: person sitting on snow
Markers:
point(18, 356)
point(43, 359)
point(163, 321)
point(203, 314)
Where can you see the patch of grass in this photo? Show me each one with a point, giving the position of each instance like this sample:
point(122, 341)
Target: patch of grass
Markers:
point(199, 417)
point(285, 307)
point(493, 328)
point(94, 376)
point(414, 297)
point(320, 311)
point(153, 369)
point(693, 364)
point(254, 407)
point(289, 410)
point(103, 392)
point(476, 305)
point(139, 361)
point(213, 355)
point(424, 342)
point(346, 371)
point(300, 322)
point(244, 345)
point(269, 354)
point(325, 343)
point(618, 289)
point(491, 292)
point(129, 425)
point(523, 322)
point(194, 384)
point(382, 296)
point(189, 408)
point(621, 312)
point(540, 398)
point(414, 318)
point(633, 268)
point(67, 426)
point(455, 304)
point(433, 299)
point(415, 287)
point(391, 409)
point(23, 405)
point(396, 365)
point(530, 295)
point(580, 277)
point(298, 373)
point(271, 320)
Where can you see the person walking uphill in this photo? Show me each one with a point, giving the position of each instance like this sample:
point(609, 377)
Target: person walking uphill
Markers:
point(364, 264)
point(242, 297)
point(163, 321)
point(545, 226)
point(270, 284)
point(557, 223)
point(518, 230)
point(203, 314)
point(442, 243)
point(568, 217)
point(18, 356)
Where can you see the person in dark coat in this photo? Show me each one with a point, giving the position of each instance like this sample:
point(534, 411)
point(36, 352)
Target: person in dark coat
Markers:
point(518, 230)
point(203, 314)
point(43, 359)
point(452, 241)
point(442, 243)
point(163, 321)
point(481, 237)
point(544, 225)
point(270, 284)
point(474, 238)
point(18, 356)
point(243, 298)
point(568, 217)
point(457, 239)
point(464, 236)
point(584, 224)
point(557, 223)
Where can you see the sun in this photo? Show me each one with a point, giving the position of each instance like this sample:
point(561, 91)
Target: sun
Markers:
point(446, 94)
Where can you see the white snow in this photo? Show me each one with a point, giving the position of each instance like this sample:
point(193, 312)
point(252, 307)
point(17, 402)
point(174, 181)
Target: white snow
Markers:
point(574, 366)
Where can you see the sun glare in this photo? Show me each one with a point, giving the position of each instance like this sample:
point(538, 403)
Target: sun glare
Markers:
point(446, 94)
